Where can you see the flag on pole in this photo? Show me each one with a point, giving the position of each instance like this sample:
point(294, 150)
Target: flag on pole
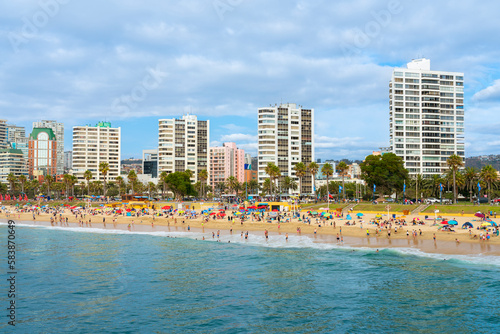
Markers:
point(478, 187)
point(340, 189)
point(404, 188)
point(441, 186)
point(374, 187)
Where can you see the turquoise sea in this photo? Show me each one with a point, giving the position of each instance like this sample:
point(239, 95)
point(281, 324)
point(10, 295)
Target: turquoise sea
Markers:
point(83, 280)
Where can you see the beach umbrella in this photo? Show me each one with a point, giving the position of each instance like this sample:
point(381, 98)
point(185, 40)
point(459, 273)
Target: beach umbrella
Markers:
point(493, 223)
point(378, 216)
point(444, 222)
point(237, 213)
point(359, 214)
point(453, 222)
point(479, 214)
point(222, 210)
point(212, 214)
point(486, 224)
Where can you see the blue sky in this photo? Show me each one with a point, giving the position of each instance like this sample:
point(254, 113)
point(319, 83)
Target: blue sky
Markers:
point(132, 63)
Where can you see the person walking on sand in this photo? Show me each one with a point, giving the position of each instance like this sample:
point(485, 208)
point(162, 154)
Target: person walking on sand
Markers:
point(367, 232)
point(286, 237)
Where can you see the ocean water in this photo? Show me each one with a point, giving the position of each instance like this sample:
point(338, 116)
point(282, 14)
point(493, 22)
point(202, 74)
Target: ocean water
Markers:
point(83, 280)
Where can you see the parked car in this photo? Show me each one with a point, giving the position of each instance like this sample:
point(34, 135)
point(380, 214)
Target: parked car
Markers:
point(432, 200)
point(482, 200)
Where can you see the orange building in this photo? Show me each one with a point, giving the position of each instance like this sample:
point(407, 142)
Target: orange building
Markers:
point(42, 152)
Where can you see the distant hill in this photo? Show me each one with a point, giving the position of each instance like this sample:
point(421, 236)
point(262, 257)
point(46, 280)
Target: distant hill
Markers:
point(483, 160)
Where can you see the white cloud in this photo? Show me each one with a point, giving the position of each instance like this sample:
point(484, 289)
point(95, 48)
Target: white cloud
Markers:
point(491, 93)
point(238, 137)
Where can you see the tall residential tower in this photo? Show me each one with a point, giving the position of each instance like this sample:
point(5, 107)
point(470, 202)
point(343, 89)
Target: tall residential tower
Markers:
point(58, 129)
point(286, 137)
point(426, 111)
point(183, 145)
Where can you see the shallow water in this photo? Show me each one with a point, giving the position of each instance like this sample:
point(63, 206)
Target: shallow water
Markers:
point(113, 281)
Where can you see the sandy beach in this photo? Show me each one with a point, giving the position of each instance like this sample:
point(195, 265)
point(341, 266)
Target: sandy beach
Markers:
point(355, 236)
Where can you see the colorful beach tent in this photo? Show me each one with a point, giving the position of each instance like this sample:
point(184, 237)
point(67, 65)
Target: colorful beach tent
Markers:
point(348, 217)
point(467, 225)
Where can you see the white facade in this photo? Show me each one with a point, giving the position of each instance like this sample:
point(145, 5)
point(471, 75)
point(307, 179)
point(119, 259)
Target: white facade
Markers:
point(426, 117)
point(3, 134)
point(183, 145)
point(58, 129)
point(93, 145)
point(286, 137)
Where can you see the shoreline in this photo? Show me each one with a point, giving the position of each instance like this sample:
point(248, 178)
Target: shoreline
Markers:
point(277, 238)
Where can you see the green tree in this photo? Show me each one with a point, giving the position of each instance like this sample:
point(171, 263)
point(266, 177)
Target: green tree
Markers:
point(119, 182)
point(11, 178)
point(163, 180)
point(180, 184)
point(288, 183)
point(203, 176)
point(386, 171)
point(471, 175)
point(327, 170)
point(274, 172)
point(300, 171)
point(232, 184)
point(267, 186)
point(454, 162)
point(132, 178)
point(66, 182)
point(253, 185)
point(313, 169)
point(48, 181)
point(104, 169)
point(489, 175)
point(342, 169)
point(22, 181)
point(87, 175)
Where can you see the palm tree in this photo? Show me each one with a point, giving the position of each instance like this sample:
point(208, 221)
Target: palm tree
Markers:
point(267, 186)
point(119, 182)
point(87, 175)
point(300, 171)
point(274, 172)
point(189, 172)
point(67, 181)
point(163, 179)
point(11, 178)
point(289, 183)
point(313, 169)
point(35, 185)
point(327, 170)
point(151, 186)
point(203, 176)
point(104, 169)
point(489, 175)
point(454, 162)
point(253, 185)
point(232, 184)
point(48, 180)
point(22, 180)
point(342, 168)
point(132, 177)
point(470, 179)
point(418, 181)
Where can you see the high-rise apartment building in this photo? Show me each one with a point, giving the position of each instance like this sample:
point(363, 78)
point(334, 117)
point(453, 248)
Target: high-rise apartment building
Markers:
point(226, 161)
point(183, 145)
point(3, 134)
point(93, 145)
point(286, 137)
point(58, 129)
point(150, 162)
point(426, 117)
point(11, 162)
point(42, 153)
point(16, 139)
point(68, 161)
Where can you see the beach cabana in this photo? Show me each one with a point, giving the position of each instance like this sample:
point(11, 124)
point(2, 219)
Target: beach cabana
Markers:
point(467, 225)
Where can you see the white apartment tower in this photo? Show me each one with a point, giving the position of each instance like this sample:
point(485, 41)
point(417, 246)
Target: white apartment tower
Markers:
point(3, 134)
point(286, 137)
point(58, 129)
point(426, 117)
point(183, 144)
point(93, 145)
